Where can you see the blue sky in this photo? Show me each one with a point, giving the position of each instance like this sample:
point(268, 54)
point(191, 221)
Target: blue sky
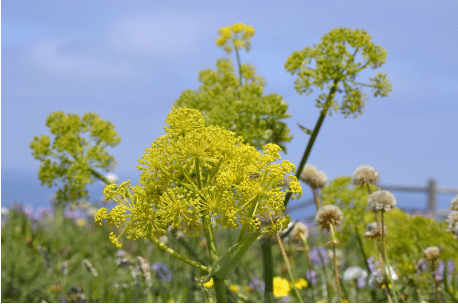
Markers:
point(128, 61)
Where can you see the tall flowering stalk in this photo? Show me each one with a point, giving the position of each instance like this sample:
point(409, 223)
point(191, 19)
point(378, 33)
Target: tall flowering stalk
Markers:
point(328, 217)
point(383, 201)
point(194, 178)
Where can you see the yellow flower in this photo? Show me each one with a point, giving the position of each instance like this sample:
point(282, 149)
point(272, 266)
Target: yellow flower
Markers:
point(237, 27)
point(80, 222)
point(225, 32)
point(247, 288)
point(281, 287)
point(234, 288)
point(300, 283)
point(221, 41)
point(209, 284)
point(345, 301)
point(193, 171)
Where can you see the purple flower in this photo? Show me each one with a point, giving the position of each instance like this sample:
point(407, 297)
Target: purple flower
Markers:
point(286, 299)
point(311, 277)
point(257, 285)
point(440, 271)
point(163, 272)
point(422, 266)
point(370, 262)
point(319, 256)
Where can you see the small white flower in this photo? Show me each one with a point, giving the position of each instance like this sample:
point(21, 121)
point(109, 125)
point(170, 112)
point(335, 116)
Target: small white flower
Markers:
point(354, 273)
point(112, 178)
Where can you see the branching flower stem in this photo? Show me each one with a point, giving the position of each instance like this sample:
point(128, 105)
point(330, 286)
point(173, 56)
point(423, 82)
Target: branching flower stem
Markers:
point(179, 256)
point(268, 272)
point(336, 273)
point(220, 288)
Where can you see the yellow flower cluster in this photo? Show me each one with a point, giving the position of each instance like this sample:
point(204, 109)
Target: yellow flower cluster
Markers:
point(194, 173)
point(237, 35)
point(282, 286)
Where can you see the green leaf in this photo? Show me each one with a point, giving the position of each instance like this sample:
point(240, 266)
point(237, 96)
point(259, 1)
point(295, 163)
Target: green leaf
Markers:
point(226, 263)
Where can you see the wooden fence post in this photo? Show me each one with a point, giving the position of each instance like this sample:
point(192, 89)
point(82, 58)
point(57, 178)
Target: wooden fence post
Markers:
point(432, 194)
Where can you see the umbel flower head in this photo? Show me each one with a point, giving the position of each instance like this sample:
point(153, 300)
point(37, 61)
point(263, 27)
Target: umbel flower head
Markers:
point(328, 215)
point(237, 35)
point(365, 174)
point(313, 177)
point(381, 200)
point(193, 172)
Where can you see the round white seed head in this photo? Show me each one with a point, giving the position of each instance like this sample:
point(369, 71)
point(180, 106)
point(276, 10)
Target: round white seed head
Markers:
point(453, 223)
point(313, 177)
point(328, 215)
point(365, 174)
point(381, 200)
point(432, 253)
point(454, 204)
point(373, 231)
point(299, 230)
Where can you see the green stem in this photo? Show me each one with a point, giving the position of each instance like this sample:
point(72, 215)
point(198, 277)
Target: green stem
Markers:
point(268, 269)
point(360, 242)
point(288, 267)
point(100, 176)
point(268, 272)
point(385, 260)
point(239, 64)
point(336, 273)
point(314, 135)
point(253, 207)
point(309, 262)
point(179, 256)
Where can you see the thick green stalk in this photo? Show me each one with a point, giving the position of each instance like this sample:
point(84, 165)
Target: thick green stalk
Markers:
point(268, 272)
point(314, 135)
point(100, 176)
point(268, 289)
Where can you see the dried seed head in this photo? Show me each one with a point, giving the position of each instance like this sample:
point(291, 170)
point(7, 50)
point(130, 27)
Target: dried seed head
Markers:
point(365, 174)
point(89, 267)
point(299, 231)
point(373, 231)
point(328, 215)
point(313, 177)
point(454, 204)
point(432, 253)
point(453, 223)
point(381, 200)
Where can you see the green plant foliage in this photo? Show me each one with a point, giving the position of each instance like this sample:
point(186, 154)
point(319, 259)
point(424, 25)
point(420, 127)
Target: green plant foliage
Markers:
point(352, 201)
point(72, 157)
point(243, 109)
point(336, 62)
point(408, 236)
